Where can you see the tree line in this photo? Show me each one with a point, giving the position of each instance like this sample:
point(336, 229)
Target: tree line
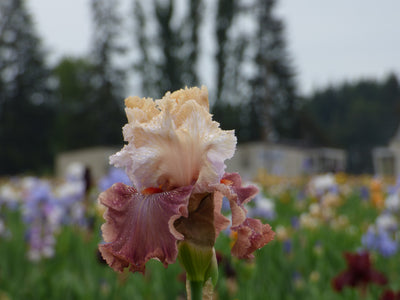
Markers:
point(356, 116)
point(160, 46)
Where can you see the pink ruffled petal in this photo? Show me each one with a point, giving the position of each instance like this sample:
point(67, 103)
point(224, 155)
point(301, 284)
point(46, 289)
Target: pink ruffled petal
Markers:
point(140, 227)
point(232, 188)
point(244, 193)
point(220, 221)
point(251, 235)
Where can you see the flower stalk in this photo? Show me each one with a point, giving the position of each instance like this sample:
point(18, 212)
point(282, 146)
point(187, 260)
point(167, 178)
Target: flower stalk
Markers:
point(201, 267)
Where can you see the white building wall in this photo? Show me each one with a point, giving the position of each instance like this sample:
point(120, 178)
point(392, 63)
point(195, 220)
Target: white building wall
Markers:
point(97, 159)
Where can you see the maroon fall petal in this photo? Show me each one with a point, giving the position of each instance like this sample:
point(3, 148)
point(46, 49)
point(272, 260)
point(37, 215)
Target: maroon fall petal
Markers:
point(140, 227)
point(358, 262)
point(251, 235)
point(378, 277)
point(341, 280)
point(390, 295)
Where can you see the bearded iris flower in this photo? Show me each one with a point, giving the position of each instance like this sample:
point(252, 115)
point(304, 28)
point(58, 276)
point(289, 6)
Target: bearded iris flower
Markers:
point(174, 156)
point(359, 273)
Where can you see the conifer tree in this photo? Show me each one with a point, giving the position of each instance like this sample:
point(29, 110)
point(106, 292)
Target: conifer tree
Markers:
point(357, 117)
point(254, 71)
point(226, 11)
point(273, 100)
point(108, 78)
point(25, 98)
point(167, 44)
point(74, 108)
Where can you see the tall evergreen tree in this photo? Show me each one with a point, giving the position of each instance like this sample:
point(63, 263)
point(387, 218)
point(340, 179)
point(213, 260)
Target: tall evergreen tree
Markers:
point(226, 10)
point(254, 71)
point(357, 117)
point(108, 79)
point(169, 40)
point(233, 57)
point(167, 44)
point(273, 102)
point(25, 99)
point(74, 107)
point(191, 41)
point(146, 64)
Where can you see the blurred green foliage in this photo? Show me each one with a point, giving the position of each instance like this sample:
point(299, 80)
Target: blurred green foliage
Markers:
point(303, 271)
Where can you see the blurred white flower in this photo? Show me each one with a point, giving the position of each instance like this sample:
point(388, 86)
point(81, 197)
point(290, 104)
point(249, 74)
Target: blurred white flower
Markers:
point(75, 171)
point(392, 202)
point(307, 221)
point(70, 189)
point(264, 208)
point(9, 195)
point(322, 184)
point(315, 209)
point(386, 222)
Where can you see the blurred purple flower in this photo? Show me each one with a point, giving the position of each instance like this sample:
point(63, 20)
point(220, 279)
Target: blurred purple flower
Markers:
point(114, 175)
point(380, 241)
point(368, 240)
point(395, 188)
point(301, 195)
point(287, 246)
point(295, 221)
point(71, 195)
point(307, 165)
point(225, 205)
point(334, 190)
point(364, 193)
point(42, 216)
point(37, 197)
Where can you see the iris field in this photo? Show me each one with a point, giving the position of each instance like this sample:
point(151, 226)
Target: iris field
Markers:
point(49, 232)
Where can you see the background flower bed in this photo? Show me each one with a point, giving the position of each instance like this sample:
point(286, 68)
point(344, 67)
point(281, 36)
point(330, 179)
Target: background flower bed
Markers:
point(299, 264)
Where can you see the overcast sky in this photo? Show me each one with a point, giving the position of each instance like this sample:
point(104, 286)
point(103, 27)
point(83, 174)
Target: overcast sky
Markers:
point(329, 41)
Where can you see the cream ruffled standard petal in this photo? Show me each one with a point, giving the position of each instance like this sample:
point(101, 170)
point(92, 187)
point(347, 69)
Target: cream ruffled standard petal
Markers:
point(174, 142)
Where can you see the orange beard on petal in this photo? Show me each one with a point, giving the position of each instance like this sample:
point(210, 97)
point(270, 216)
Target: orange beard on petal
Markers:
point(226, 181)
point(151, 191)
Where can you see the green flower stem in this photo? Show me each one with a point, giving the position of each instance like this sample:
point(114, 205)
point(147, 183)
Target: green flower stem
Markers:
point(196, 260)
point(196, 290)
